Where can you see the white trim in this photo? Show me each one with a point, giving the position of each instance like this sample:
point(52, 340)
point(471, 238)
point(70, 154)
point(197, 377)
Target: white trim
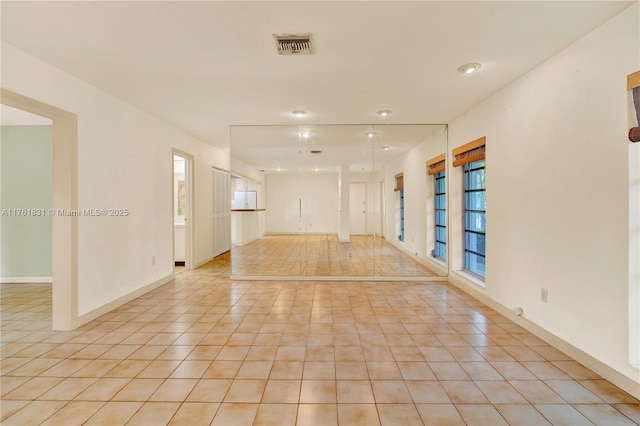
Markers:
point(199, 264)
point(26, 280)
point(64, 308)
point(189, 217)
point(91, 315)
point(623, 382)
point(469, 277)
point(436, 266)
point(244, 242)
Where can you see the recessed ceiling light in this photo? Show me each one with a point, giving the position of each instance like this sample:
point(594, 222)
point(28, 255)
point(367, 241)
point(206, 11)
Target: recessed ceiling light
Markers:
point(299, 113)
point(469, 68)
point(385, 148)
point(305, 135)
point(384, 112)
point(371, 134)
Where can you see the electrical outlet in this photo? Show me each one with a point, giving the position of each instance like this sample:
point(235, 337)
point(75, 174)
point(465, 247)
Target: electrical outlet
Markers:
point(153, 260)
point(543, 294)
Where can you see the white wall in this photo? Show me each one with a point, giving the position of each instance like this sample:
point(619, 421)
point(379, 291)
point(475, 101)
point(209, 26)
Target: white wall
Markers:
point(557, 191)
point(240, 168)
point(417, 194)
point(124, 161)
point(319, 194)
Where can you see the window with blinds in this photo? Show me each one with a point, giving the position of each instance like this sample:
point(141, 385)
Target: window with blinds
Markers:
point(436, 168)
point(472, 158)
point(399, 190)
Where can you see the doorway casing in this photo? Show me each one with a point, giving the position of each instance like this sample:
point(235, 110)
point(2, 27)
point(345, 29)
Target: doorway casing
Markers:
point(65, 197)
point(188, 221)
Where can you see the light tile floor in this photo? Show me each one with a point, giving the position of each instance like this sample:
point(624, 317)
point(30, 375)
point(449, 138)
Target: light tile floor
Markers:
point(324, 254)
point(206, 350)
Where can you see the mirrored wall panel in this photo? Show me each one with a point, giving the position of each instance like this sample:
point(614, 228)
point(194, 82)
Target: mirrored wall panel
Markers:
point(338, 200)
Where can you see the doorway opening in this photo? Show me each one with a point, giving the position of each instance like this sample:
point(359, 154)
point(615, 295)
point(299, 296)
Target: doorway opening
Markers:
point(64, 287)
point(182, 210)
point(27, 171)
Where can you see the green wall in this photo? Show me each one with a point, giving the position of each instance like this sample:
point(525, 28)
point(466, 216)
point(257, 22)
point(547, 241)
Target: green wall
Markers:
point(26, 154)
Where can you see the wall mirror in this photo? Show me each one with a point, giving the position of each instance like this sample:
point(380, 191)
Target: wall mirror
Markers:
point(338, 201)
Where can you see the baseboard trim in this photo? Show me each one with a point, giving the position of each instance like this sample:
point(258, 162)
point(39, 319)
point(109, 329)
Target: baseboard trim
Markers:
point(199, 264)
point(435, 266)
point(620, 380)
point(91, 315)
point(244, 242)
point(26, 280)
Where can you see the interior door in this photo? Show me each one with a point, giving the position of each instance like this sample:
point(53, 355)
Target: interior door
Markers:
point(358, 208)
point(221, 212)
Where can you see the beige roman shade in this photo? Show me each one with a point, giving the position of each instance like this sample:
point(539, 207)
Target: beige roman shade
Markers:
point(470, 152)
point(436, 164)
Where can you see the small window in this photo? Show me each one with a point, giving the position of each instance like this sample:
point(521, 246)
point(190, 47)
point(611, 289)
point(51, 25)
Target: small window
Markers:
point(475, 206)
point(399, 190)
point(440, 249)
point(471, 157)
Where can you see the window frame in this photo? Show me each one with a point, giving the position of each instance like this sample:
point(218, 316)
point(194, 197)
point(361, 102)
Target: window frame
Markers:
point(399, 190)
point(437, 177)
point(467, 169)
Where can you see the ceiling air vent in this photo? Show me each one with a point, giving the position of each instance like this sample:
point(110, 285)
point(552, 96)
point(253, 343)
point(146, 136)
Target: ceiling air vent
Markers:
point(316, 152)
point(294, 44)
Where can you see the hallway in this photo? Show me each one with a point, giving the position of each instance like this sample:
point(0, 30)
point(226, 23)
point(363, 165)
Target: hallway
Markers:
point(206, 350)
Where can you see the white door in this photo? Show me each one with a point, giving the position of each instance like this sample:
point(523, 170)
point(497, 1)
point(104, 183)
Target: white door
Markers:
point(358, 208)
point(221, 212)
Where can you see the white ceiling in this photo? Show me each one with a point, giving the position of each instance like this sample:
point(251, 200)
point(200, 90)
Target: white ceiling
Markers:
point(205, 66)
point(285, 149)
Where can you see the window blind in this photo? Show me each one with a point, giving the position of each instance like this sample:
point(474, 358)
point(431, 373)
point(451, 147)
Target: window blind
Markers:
point(399, 182)
point(436, 164)
point(468, 153)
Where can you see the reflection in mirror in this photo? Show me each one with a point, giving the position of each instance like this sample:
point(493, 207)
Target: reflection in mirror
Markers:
point(337, 200)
